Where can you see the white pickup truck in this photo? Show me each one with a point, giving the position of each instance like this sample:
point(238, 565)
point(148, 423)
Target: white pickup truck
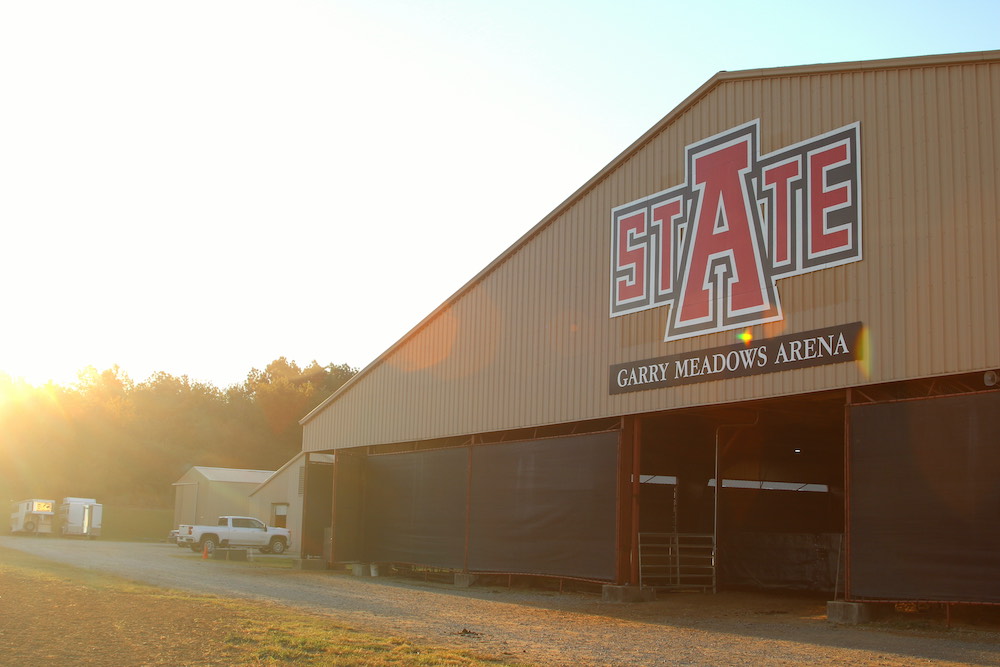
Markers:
point(235, 531)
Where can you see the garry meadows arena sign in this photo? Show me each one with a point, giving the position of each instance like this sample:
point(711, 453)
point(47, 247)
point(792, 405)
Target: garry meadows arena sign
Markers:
point(783, 353)
point(714, 247)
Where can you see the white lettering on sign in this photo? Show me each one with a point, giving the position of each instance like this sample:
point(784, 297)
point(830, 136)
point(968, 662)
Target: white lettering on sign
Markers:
point(831, 345)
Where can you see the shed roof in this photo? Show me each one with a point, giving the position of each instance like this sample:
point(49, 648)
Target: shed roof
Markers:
point(234, 474)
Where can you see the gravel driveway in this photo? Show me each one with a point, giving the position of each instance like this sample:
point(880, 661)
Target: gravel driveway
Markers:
point(540, 627)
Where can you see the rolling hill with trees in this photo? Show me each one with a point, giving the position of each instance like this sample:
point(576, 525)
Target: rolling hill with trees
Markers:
point(124, 443)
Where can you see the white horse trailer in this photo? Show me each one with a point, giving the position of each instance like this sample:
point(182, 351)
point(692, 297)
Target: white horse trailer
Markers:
point(32, 517)
point(80, 516)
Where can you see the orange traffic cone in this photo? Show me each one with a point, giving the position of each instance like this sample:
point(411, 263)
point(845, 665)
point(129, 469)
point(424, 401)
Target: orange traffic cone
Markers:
point(204, 551)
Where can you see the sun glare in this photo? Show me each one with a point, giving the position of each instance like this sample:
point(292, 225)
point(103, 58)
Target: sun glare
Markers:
point(15, 391)
point(10, 389)
point(864, 360)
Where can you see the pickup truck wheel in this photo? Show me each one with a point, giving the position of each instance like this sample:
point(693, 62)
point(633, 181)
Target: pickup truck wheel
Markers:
point(208, 544)
point(277, 546)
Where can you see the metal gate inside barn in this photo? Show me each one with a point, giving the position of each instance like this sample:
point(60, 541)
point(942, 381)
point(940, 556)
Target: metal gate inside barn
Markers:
point(777, 518)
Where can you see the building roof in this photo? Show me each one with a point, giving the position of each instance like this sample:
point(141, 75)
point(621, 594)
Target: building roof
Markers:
point(717, 80)
point(233, 474)
point(289, 462)
point(325, 458)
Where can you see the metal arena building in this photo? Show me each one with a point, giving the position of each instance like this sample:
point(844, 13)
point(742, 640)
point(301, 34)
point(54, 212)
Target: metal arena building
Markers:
point(789, 284)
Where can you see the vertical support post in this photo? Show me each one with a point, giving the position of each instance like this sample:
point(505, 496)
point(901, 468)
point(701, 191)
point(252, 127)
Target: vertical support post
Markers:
point(305, 540)
point(635, 575)
point(624, 520)
point(715, 515)
point(468, 510)
point(848, 400)
point(333, 509)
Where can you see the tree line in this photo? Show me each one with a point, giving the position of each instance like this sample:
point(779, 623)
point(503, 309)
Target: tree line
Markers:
point(122, 442)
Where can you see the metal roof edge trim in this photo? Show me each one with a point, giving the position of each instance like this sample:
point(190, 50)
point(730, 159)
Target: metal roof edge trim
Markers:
point(267, 481)
point(224, 468)
point(720, 77)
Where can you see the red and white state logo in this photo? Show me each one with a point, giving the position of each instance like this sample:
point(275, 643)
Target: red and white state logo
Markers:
point(714, 246)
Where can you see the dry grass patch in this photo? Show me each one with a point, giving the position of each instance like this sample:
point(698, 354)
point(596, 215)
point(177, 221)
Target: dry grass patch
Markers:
point(57, 614)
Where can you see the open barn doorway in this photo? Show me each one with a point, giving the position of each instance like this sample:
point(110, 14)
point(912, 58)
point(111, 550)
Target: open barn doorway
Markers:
point(776, 520)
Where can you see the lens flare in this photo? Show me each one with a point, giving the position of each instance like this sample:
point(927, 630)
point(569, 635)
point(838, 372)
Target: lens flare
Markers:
point(746, 336)
point(864, 358)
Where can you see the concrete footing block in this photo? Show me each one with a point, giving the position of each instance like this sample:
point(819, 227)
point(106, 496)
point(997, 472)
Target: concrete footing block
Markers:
point(360, 569)
point(613, 593)
point(309, 564)
point(464, 580)
point(848, 613)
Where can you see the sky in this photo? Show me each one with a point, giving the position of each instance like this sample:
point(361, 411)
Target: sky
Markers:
point(201, 187)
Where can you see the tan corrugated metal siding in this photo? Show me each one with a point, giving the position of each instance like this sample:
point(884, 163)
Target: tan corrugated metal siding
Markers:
point(529, 341)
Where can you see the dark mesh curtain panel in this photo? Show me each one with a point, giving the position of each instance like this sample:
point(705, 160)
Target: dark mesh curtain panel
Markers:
point(925, 500)
point(415, 507)
point(545, 507)
point(348, 503)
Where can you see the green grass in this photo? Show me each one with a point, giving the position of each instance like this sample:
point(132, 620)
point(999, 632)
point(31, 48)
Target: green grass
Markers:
point(254, 560)
point(275, 562)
